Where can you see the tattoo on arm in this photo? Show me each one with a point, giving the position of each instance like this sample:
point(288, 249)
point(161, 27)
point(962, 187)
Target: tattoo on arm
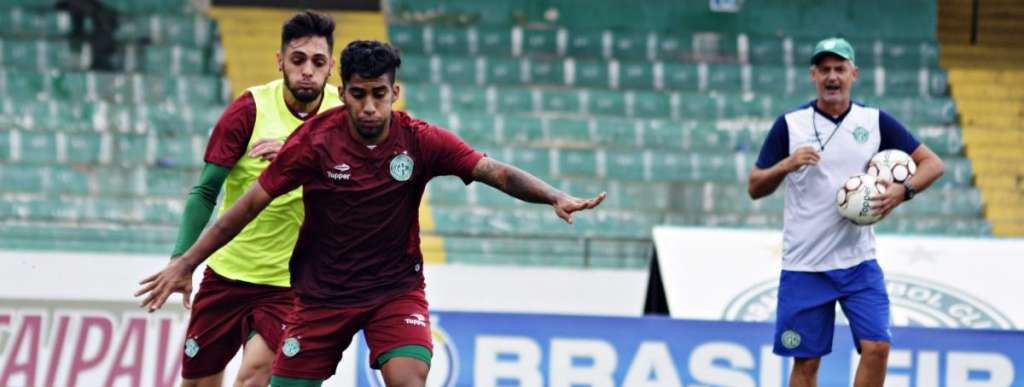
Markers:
point(515, 182)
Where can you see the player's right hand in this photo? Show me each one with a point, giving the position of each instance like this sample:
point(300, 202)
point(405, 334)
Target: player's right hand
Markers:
point(805, 155)
point(265, 149)
point(175, 278)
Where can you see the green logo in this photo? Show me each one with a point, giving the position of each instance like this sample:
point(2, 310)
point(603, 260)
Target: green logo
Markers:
point(790, 339)
point(915, 302)
point(291, 347)
point(401, 167)
point(191, 348)
point(860, 134)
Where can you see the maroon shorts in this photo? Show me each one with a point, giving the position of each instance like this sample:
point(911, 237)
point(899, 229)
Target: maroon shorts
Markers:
point(317, 335)
point(224, 314)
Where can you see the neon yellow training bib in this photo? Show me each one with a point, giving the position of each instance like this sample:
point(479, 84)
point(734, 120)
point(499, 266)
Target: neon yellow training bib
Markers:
point(260, 253)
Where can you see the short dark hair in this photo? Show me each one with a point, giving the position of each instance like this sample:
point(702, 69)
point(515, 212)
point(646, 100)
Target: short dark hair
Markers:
point(369, 59)
point(308, 23)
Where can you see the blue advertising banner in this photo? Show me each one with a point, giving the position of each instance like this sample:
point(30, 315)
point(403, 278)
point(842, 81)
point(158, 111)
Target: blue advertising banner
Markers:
point(488, 349)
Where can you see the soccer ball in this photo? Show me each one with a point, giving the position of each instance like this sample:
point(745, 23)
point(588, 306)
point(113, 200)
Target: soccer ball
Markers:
point(853, 202)
point(892, 165)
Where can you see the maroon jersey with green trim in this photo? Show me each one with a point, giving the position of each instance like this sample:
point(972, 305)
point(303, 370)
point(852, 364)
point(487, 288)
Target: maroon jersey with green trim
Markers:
point(360, 241)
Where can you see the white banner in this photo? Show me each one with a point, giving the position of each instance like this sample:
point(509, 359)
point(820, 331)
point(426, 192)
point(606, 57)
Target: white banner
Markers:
point(70, 319)
point(725, 274)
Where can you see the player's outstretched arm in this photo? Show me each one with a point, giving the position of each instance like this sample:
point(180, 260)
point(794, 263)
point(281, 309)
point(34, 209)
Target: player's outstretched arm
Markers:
point(526, 187)
point(177, 276)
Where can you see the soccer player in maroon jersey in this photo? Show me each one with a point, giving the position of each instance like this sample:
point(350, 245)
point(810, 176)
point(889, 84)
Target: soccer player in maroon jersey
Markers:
point(357, 263)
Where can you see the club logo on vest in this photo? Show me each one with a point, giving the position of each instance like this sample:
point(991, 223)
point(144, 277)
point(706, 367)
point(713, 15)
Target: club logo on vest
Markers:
point(291, 347)
point(860, 134)
point(401, 167)
point(790, 339)
point(915, 302)
point(191, 348)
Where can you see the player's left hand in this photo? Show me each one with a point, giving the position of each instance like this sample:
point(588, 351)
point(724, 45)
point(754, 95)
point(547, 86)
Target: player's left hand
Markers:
point(893, 196)
point(265, 149)
point(566, 205)
point(175, 278)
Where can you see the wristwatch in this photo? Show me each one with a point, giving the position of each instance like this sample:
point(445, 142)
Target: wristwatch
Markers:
point(909, 192)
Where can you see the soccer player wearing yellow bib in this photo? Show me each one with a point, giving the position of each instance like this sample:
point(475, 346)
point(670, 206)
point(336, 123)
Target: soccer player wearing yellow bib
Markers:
point(244, 295)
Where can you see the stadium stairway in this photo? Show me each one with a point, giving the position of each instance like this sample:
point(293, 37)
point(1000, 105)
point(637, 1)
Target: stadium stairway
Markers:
point(987, 82)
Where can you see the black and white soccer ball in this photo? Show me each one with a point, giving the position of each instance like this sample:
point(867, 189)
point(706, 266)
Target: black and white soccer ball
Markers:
point(853, 199)
point(893, 165)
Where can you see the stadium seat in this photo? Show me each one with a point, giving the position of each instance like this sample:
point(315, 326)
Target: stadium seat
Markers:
point(539, 42)
point(577, 163)
point(416, 68)
point(458, 70)
point(649, 104)
point(566, 132)
point(503, 71)
point(606, 103)
point(636, 75)
point(591, 74)
point(548, 72)
point(587, 45)
point(494, 41)
point(408, 38)
point(681, 77)
point(560, 100)
point(629, 45)
point(85, 148)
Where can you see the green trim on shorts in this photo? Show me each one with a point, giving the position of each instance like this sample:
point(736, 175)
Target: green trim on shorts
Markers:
point(252, 334)
point(418, 352)
point(284, 381)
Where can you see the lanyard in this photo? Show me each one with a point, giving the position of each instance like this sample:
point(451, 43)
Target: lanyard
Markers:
point(814, 125)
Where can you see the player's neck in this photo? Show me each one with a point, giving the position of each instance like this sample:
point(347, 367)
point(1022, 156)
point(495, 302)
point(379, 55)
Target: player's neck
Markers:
point(370, 141)
point(298, 107)
point(834, 110)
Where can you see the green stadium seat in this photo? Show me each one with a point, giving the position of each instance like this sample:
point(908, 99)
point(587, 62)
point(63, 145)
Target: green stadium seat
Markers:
point(540, 42)
point(168, 182)
point(548, 72)
point(503, 71)
point(724, 78)
point(468, 98)
point(567, 132)
point(651, 105)
point(957, 172)
point(490, 197)
point(162, 212)
point(697, 106)
point(909, 54)
point(673, 47)
point(522, 130)
point(178, 152)
point(60, 179)
point(174, 60)
point(450, 40)
point(515, 100)
point(458, 69)
point(681, 77)
point(534, 160)
point(477, 128)
point(416, 69)
point(663, 134)
point(671, 166)
point(586, 44)
point(943, 140)
point(560, 100)
point(38, 147)
point(23, 21)
point(772, 80)
point(409, 39)
point(614, 132)
point(83, 148)
point(23, 84)
point(20, 178)
point(577, 163)
point(591, 74)
point(422, 96)
point(494, 41)
point(130, 149)
point(765, 50)
point(448, 190)
point(628, 45)
point(636, 75)
point(625, 165)
point(606, 103)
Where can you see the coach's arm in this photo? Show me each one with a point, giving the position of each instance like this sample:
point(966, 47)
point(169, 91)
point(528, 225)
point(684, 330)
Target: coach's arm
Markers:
point(529, 188)
point(765, 181)
point(177, 276)
point(929, 168)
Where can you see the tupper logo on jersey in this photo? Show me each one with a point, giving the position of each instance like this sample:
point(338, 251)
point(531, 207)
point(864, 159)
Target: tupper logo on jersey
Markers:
point(444, 366)
point(915, 302)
